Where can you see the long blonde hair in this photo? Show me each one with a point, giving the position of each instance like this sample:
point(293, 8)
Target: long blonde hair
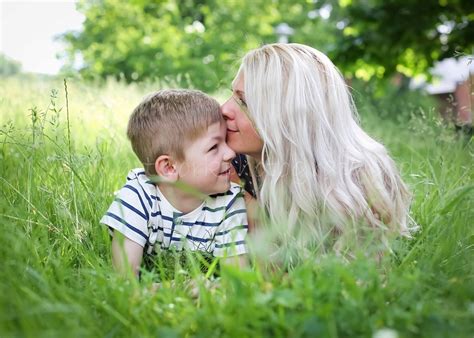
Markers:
point(318, 162)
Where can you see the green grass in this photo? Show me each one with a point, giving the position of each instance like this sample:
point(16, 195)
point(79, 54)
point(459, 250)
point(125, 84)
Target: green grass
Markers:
point(58, 175)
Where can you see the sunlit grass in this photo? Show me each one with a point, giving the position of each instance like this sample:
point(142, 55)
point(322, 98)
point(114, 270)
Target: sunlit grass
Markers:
point(56, 272)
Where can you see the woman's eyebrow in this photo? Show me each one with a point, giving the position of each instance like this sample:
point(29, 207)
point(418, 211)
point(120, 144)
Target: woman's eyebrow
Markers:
point(240, 92)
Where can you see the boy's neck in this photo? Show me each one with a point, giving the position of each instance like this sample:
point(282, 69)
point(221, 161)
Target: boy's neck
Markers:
point(179, 199)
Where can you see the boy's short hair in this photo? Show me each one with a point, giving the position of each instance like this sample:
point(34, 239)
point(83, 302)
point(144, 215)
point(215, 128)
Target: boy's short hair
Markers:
point(165, 120)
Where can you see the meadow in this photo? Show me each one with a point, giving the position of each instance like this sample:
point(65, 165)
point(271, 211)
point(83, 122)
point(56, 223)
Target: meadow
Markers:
point(61, 161)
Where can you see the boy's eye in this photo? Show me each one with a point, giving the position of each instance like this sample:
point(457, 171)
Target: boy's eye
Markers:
point(213, 147)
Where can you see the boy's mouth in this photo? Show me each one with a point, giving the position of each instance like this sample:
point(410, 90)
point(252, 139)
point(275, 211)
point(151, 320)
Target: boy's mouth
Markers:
point(231, 130)
point(225, 172)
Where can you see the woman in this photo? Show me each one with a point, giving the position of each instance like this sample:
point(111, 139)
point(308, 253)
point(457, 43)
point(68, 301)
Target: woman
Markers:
point(310, 163)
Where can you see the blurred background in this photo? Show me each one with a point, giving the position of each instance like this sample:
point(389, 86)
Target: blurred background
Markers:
point(396, 55)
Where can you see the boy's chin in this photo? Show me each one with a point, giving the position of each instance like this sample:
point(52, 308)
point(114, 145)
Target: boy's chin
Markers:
point(221, 190)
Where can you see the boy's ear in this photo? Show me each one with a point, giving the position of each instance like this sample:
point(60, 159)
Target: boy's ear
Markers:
point(166, 168)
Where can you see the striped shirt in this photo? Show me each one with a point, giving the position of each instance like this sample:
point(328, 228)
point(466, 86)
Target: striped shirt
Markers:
point(142, 213)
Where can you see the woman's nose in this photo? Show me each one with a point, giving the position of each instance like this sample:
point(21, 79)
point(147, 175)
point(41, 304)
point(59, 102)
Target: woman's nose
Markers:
point(226, 110)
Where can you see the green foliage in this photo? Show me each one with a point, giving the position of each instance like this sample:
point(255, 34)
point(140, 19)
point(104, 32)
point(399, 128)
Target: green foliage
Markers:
point(199, 42)
point(388, 100)
point(403, 36)
point(56, 269)
point(195, 43)
point(8, 66)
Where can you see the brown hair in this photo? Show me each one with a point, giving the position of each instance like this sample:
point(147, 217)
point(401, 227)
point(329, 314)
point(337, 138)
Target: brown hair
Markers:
point(165, 120)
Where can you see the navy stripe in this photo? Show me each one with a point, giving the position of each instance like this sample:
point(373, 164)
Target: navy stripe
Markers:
point(139, 197)
point(176, 239)
point(198, 239)
point(131, 227)
point(234, 228)
point(204, 224)
point(228, 192)
point(232, 201)
point(154, 214)
point(213, 210)
point(219, 246)
point(157, 229)
point(133, 175)
point(147, 197)
point(167, 218)
point(235, 212)
point(155, 198)
point(132, 208)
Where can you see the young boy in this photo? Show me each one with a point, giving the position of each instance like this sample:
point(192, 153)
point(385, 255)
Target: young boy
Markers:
point(179, 136)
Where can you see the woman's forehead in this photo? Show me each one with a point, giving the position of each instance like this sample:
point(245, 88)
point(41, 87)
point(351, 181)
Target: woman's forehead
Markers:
point(238, 82)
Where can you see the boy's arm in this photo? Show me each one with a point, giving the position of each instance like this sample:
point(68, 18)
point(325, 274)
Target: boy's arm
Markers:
point(126, 254)
point(127, 218)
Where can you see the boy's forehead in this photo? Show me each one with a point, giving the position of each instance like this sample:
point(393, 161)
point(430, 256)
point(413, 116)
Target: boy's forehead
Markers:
point(214, 130)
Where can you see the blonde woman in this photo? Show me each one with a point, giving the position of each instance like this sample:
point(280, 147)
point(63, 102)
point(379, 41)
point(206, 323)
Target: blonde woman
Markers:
point(308, 162)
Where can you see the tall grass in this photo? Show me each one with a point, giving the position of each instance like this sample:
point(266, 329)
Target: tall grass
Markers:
point(58, 175)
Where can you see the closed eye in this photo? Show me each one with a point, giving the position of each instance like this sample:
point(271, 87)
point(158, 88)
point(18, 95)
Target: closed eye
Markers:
point(240, 101)
point(213, 147)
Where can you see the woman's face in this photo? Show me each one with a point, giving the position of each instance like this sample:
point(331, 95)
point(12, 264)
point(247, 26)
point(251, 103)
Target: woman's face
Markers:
point(241, 135)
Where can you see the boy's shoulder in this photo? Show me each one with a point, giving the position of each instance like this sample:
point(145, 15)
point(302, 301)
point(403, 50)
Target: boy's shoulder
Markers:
point(137, 174)
point(137, 179)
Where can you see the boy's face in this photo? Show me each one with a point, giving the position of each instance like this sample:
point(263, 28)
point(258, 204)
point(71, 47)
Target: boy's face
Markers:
point(207, 161)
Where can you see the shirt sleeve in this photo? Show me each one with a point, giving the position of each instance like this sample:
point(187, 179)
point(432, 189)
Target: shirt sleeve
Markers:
point(129, 213)
point(231, 234)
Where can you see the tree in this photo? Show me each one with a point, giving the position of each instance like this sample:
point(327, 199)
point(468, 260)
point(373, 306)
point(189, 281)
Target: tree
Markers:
point(8, 66)
point(195, 43)
point(199, 42)
point(380, 37)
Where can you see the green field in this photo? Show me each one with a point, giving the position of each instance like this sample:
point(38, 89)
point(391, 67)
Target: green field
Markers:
point(61, 163)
